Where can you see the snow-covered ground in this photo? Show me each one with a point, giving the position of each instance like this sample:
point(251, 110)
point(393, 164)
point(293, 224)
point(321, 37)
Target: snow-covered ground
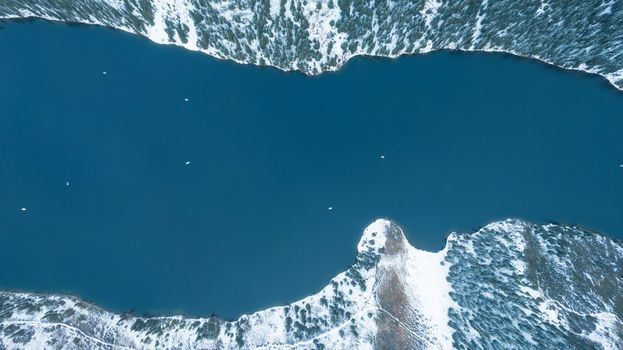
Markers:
point(510, 284)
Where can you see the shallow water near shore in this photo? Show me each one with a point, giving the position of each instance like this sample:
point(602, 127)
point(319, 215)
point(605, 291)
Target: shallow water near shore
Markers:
point(96, 134)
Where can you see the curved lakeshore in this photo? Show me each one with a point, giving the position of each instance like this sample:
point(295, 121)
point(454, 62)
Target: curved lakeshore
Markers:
point(461, 296)
point(282, 148)
point(313, 37)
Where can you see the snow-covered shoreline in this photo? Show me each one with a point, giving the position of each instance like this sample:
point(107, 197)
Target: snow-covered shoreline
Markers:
point(320, 36)
point(394, 296)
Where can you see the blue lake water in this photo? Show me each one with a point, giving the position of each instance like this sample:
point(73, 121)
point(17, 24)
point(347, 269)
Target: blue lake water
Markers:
point(467, 139)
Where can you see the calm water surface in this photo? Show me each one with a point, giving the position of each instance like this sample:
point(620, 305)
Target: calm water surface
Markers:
point(467, 139)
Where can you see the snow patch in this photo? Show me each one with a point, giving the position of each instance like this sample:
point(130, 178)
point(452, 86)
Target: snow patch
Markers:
point(430, 290)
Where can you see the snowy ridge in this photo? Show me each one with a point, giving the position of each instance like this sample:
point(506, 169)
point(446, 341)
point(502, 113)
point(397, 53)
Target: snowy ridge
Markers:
point(511, 284)
point(555, 292)
point(314, 36)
